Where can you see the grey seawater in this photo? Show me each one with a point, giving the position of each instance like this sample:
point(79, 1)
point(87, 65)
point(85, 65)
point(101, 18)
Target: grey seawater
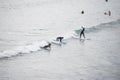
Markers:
point(96, 58)
point(23, 22)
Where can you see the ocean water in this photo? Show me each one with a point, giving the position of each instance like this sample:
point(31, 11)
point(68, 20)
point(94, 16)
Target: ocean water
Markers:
point(93, 59)
point(27, 25)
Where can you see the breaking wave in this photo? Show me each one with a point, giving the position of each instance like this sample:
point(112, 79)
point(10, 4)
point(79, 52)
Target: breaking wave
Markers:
point(33, 47)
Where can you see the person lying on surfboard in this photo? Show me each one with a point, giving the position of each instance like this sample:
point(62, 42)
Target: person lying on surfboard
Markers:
point(82, 32)
point(59, 39)
point(48, 46)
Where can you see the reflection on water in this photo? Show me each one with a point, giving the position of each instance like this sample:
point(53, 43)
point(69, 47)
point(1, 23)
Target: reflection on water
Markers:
point(82, 41)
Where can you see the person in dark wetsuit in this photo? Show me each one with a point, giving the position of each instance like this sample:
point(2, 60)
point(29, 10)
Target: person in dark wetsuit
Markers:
point(82, 32)
point(106, 0)
point(82, 12)
point(109, 13)
point(59, 39)
point(47, 46)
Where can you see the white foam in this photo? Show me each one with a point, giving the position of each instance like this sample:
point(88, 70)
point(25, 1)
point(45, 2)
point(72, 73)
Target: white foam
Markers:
point(28, 48)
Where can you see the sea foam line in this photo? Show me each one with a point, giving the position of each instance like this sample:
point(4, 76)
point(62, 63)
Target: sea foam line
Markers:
point(29, 48)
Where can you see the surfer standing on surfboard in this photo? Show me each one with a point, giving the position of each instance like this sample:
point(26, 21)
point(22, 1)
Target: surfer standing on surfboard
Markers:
point(82, 32)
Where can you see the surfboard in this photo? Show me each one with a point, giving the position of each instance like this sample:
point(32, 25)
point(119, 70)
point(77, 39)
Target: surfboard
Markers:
point(77, 37)
point(46, 48)
point(58, 42)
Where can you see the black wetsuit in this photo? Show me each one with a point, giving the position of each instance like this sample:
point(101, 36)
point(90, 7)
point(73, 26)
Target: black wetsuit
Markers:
point(82, 33)
point(82, 12)
point(59, 39)
point(106, 0)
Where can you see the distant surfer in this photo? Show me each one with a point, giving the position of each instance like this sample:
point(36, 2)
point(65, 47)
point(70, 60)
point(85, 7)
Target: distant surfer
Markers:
point(59, 39)
point(82, 32)
point(109, 13)
point(48, 46)
point(106, 0)
point(82, 12)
